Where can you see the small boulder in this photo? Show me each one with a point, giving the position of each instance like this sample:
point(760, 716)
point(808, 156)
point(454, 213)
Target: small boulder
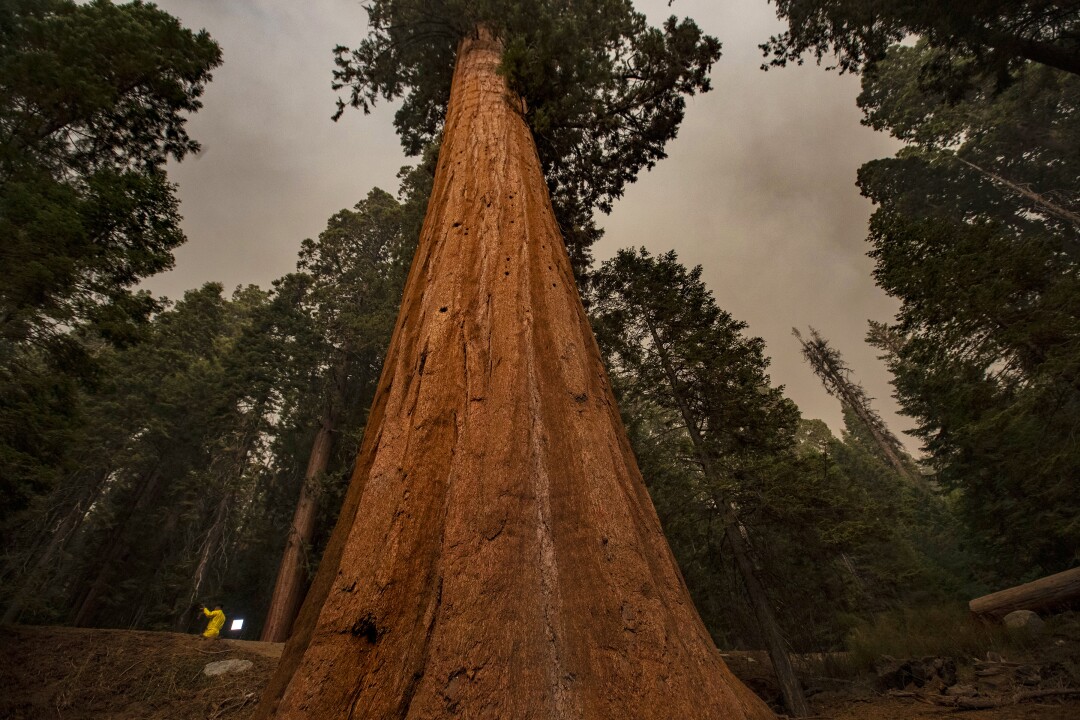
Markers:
point(1024, 621)
point(227, 666)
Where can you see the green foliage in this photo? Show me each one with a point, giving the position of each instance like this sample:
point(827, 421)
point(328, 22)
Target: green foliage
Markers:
point(178, 475)
point(659, 323)
point(655, 321)
point(925, 631)
point(837, 532)
point(95, 98)
point(999, 34)
point(94, 102)
point(604, 91)
point(973, 234)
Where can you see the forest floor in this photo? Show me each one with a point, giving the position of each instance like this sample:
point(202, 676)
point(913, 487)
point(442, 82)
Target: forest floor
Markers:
point(78, 674)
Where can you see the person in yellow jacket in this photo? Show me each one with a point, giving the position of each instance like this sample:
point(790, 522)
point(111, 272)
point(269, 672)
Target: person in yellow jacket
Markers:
point(217, 621)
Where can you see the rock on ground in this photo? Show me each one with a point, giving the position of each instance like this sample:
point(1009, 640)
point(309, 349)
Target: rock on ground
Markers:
point(1024, 620)
point(226, 666)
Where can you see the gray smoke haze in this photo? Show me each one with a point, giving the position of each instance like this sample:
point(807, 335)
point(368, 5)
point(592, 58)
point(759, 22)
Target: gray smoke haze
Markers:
point(758, 188)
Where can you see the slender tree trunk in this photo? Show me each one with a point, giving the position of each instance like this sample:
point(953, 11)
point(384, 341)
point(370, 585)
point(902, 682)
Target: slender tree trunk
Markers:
point(116, 551)
point(58, 537)
point(497, 555)
point(851, 397)
point(291, 578)
point(737, 538)
point(884, 443)
point(209, 544)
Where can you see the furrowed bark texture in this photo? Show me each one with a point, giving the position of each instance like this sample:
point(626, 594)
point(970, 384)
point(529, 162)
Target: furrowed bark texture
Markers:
point(497, 554)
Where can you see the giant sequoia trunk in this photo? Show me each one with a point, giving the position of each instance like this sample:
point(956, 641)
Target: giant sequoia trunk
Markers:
point(497, 555)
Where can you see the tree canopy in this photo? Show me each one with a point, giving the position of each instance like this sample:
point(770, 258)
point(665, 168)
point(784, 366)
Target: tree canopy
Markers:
point(603, 91)
point(976, 235)
point(96, 98)
point(998, 33)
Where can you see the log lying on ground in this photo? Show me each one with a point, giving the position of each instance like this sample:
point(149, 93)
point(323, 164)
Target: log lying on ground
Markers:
point(1042, 594)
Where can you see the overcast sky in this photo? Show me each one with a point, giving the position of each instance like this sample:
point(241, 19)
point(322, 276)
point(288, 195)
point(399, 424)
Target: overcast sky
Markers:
point(759, 187)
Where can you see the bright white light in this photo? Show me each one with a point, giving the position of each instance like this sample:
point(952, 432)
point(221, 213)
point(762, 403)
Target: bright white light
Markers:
point(237, 624)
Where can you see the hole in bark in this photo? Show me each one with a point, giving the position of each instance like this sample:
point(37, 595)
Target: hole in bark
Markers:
point(552, 284)
point(423, 361)
point(506, 273)
point(442, 309)
point(366, 628)
point(582, 397)
point(508, 259)
point(457, 224)
point(452, 691)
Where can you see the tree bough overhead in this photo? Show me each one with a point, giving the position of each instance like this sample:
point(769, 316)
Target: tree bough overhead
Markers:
point(602, 91)
point(497, 555)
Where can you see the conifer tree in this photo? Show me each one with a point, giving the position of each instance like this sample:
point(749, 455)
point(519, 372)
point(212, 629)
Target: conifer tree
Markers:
point(349, 285)
point(497, 552)
point(828, 365)
point(998, 34)
point(95, 102)
point(973, 234)
point(663, 327)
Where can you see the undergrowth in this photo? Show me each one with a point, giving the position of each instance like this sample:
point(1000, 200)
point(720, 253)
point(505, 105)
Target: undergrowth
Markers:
point(928, 631)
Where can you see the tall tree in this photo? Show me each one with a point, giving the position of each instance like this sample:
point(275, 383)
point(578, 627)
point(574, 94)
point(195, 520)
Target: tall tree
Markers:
point(665, 329)
point(497, 552)
point(349, 284)
point(998, 33)
point(835, 375)
point(984, 347)
point(95, 100)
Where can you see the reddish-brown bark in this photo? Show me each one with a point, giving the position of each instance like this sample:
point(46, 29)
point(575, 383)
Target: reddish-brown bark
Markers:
point(291, 582)
point(497, 555)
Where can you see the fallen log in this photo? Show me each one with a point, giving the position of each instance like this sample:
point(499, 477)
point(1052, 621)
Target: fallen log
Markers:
point(1041, 594)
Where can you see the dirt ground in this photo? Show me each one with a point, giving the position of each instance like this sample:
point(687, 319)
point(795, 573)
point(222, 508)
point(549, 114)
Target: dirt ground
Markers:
point(78, 674)
point(884, 708)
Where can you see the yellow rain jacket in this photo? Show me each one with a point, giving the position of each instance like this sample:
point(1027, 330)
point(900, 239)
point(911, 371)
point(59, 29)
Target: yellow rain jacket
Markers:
point(217, 620)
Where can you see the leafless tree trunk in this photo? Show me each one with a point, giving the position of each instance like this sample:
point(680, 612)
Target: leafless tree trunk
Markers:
point(291, 578)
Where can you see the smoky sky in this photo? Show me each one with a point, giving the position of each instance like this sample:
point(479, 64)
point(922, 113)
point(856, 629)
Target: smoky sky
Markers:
point(759, 187)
